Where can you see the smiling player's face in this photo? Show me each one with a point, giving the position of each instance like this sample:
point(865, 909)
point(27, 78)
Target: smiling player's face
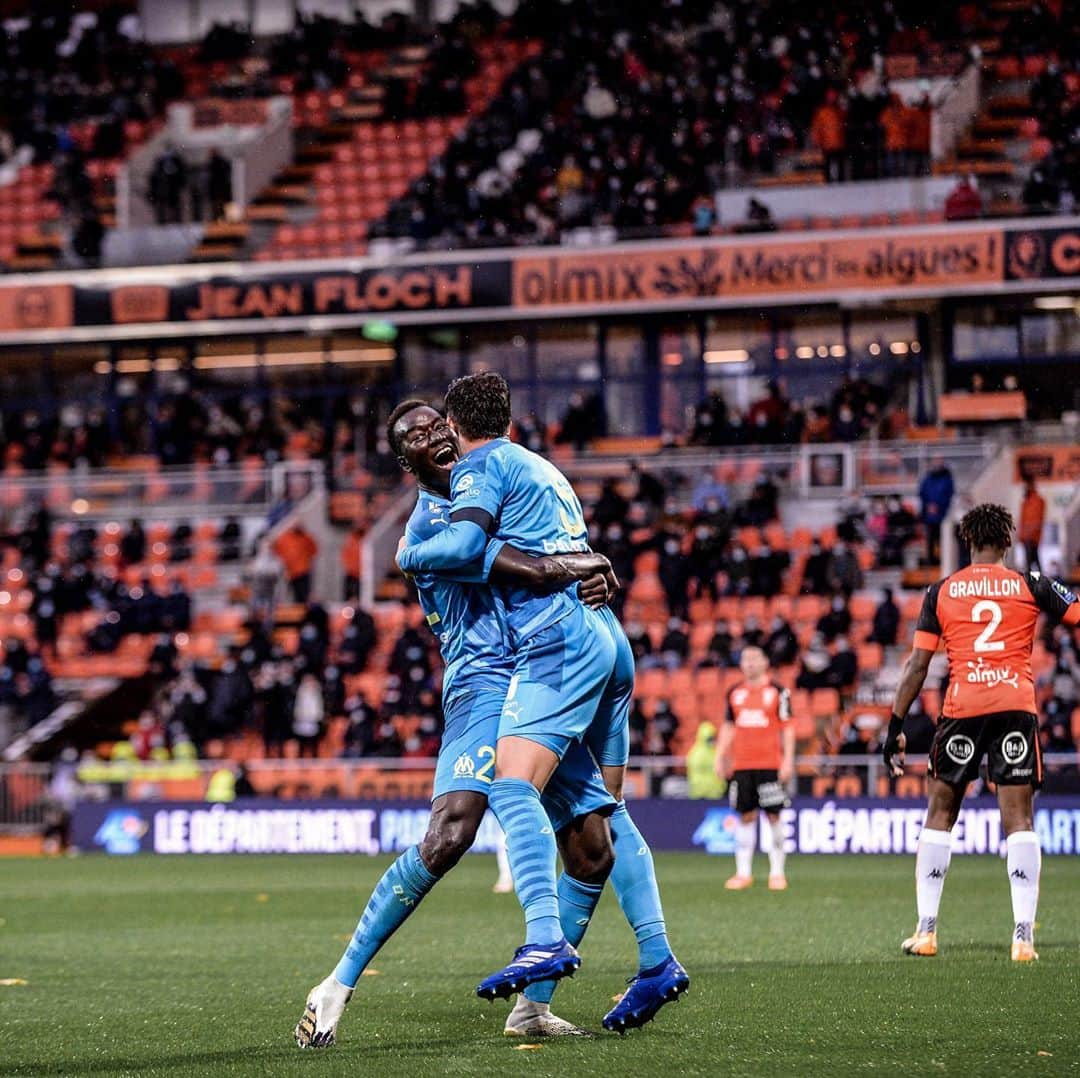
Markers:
point(429, 447)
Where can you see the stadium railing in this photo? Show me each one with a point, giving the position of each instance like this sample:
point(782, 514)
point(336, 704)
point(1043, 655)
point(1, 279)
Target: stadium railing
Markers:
point(164, 492)
point(809, 469)
point(25, 794)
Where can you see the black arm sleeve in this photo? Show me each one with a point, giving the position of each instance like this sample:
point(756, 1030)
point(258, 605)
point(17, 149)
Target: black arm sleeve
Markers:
point(1053, 599)
point(476, 516)
point(928, 618)
point(729, 711)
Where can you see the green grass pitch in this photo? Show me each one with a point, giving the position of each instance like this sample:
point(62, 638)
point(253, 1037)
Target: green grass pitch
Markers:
point(199, 966)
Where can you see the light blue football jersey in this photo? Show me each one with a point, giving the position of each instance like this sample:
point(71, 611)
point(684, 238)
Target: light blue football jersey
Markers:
point(467, 619)
point(535, 509)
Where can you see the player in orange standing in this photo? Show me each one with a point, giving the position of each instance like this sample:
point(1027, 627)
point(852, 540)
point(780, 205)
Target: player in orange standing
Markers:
point(757, 751)
point(986, 615)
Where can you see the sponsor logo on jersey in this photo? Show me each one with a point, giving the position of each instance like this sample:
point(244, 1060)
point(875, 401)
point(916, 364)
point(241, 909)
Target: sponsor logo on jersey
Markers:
point(1014, 748)
point(1062, 591)
point(986, 587)
point(716, 832)
point(960, 748)
point(751, 716)
point(982, 673)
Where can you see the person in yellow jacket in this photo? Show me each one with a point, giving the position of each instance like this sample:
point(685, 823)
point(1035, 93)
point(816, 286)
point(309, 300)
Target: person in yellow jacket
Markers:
point(701, 777)
point(222, 785)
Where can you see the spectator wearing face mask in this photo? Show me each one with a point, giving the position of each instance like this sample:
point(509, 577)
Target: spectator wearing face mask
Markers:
point(816, 571)
point(767, 571)
point(721, 649)
point(845, 573)
point(886, 621)
point(781, 645)
point(836, 621)
point(705, 559)
point(814, 671)
point(308, 715)
point(710, 487)
point(611, 506)
point(736, 567)
point(843, 666)
point(675, 647)
point(675, 570)
point(936, 494)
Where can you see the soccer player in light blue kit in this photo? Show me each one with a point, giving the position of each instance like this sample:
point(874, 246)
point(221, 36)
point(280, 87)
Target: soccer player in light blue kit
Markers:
point(463, 614)
point(573, 682)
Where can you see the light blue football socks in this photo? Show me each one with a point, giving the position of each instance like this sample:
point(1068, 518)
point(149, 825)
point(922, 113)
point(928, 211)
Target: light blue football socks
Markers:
point(634, 881)
point(530, 845)
point(395, 897)
point(577, 902)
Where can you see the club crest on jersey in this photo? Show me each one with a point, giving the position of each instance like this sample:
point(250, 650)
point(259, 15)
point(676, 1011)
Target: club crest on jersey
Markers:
point(1014, 748)
point(982, 673)
point(959, 748)
point(464, 768)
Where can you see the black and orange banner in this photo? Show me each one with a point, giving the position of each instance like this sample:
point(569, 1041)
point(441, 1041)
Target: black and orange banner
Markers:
point(1049, 463)
point(630, 277)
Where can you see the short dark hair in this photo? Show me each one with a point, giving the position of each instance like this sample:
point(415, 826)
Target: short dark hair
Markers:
point(987, 525)
point(480, 405)
point(403, 408)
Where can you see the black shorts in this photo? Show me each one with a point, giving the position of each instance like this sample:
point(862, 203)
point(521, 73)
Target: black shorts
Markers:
point(1008, 739)
point(751, 790)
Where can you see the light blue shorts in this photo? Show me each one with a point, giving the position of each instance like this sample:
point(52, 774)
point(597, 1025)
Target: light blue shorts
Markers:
point(573, 682)
point(467, 759)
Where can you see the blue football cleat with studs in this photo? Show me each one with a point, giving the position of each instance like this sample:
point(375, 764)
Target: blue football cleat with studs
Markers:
point(646, 994)
point(533, 962)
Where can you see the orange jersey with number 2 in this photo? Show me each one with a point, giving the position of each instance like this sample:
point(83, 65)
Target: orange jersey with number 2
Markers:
point(986, 616)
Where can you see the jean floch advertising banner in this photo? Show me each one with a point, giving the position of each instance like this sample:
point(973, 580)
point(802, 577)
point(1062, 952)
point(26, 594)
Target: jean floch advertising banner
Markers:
point(708, 273)
point(811, 825)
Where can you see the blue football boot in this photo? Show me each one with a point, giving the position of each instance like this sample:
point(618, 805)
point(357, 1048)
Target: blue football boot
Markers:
point(646, 994)
point(533, 962)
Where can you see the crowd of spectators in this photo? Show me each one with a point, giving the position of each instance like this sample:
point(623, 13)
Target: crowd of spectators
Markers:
point(632, 113)
point(1053, 185)
point(184, 425)
point(76, 87)
point(857, 408)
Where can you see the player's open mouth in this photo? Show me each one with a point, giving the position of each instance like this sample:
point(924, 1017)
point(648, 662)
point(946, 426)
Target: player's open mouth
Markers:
point(444, 454)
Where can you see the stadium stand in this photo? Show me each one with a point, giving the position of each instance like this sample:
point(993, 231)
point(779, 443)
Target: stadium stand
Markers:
point(506, 130)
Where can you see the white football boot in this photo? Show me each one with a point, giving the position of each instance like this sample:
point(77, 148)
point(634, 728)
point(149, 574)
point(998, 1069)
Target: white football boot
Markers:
point(529, 1019)
point(324, 1008)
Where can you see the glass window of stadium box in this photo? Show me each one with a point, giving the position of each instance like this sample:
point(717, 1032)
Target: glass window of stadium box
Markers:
point(881, 340)
point(430, 359)
point(624, 362)
point(568, 372)
point(985, 332)
point(811, 352)
point(503, 348)
point(1030, 328)
point(681, 386)
point(1051, 331)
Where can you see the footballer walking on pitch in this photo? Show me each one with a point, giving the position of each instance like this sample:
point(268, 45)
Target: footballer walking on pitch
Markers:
point(986, 615)
point(756, 751)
